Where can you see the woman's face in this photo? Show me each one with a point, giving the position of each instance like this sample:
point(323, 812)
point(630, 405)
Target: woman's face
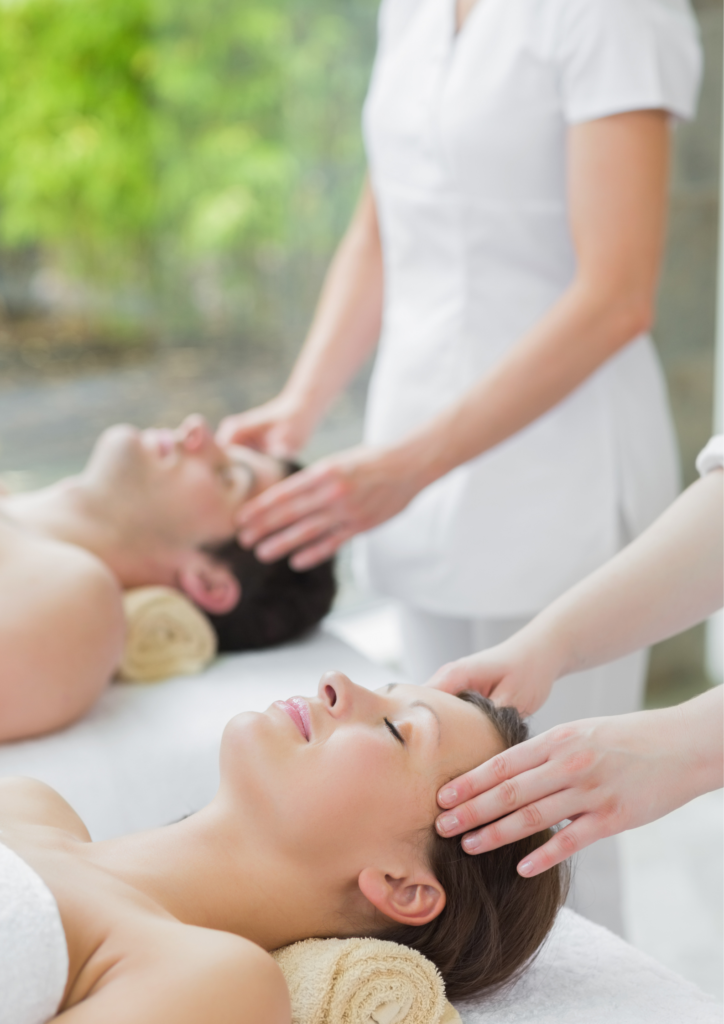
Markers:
point(351, 774)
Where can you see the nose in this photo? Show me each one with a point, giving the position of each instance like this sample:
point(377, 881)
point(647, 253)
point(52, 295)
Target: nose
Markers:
point(195, 434)
point(337, 693)
point(344, 699)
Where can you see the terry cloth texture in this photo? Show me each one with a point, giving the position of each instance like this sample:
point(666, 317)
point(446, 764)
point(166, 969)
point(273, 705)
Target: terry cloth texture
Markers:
point(33, 953)
point(166, 636)
point(362, 981)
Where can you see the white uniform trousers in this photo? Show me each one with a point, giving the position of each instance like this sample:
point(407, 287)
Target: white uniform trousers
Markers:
point(430, 640)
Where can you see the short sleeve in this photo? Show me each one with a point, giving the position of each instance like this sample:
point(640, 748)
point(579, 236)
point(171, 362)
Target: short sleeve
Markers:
point(614, 56)
point(392, 19)
point(712, 456)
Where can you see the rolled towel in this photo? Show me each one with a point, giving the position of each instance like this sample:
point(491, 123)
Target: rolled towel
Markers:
point(362, 981)
point(166, 636)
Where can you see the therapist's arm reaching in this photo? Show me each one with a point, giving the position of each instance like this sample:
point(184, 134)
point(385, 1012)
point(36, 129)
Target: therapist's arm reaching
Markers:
point(604, 774)
point(617, 182)
point(342, 335)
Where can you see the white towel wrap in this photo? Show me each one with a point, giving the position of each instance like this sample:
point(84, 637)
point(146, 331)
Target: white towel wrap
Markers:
point(33, 951)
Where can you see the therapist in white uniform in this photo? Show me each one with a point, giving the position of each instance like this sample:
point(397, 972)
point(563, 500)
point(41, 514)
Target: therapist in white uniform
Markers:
point(503, 258)
point(504, 254)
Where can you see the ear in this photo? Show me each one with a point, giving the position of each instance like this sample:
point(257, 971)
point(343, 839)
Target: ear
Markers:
point(415, 899)
point(210, 584)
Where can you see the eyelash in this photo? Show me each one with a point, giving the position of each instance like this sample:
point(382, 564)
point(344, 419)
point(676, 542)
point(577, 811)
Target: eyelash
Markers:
point(394, 731)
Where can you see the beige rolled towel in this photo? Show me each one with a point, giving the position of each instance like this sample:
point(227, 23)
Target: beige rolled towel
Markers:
point(362, 981)
point(166, 635)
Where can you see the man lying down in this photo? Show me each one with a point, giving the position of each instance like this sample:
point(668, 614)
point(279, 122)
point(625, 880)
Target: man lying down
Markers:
point(322, 826)
point(150, 507)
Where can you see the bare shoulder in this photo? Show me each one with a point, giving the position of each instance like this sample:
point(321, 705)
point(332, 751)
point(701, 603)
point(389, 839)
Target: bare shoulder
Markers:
point(201, 976)
point(240, 967)
point(30, 802)
point(39, 574)
point(61, 633)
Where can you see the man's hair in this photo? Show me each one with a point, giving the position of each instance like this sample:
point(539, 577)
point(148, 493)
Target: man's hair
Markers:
point(276, 603)
point(494, 921)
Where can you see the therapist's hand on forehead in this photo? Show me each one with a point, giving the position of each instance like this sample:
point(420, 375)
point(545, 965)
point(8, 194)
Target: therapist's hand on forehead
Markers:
point(616, 179)
point(603, 775)
point(315, 511)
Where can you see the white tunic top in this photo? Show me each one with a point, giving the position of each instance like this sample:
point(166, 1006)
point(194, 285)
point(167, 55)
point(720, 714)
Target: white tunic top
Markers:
point(466, 141)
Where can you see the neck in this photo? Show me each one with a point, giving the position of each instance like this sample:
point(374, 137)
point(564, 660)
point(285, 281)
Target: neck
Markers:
point(73, 512)
point(208, 873)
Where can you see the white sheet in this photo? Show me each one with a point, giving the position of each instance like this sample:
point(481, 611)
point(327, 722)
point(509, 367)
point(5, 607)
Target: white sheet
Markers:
point(587, 975)
point(147, 755)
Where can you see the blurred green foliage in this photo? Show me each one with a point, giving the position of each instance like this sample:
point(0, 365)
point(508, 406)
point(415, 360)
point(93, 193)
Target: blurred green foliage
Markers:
point(140, 138)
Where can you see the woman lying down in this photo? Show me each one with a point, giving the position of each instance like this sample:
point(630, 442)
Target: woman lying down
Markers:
point(322, 826)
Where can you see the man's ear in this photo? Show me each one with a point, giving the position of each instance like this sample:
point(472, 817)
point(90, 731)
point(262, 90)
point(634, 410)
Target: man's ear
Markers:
point(210, 584)
point(415, 899)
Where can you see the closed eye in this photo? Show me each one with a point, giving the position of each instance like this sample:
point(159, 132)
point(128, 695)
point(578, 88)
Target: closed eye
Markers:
point(394, 731)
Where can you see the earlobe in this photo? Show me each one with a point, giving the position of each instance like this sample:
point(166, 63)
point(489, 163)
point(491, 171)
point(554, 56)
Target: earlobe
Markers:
point(414, 900)
point(211, 585)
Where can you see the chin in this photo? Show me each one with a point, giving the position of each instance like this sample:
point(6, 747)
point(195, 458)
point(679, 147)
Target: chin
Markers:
point(117, 450)
point(252, 746)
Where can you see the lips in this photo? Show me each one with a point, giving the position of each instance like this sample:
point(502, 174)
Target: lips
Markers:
point(298, 710)
point(161, 442)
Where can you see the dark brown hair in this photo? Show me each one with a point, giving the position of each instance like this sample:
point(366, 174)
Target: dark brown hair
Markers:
point(277, 603)
point(494, 920)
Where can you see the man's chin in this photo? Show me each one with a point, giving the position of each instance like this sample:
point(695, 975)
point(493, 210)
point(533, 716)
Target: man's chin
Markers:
point(117, 452)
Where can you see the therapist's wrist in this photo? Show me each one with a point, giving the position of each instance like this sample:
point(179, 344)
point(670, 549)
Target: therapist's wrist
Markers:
point(423, 458)
point(698, 730)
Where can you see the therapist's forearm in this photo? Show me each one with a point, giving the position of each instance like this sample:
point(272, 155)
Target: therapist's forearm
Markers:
point(700, 721)
point(665, 581)
point(617, 200)
point(576, 337)
point(346, 323)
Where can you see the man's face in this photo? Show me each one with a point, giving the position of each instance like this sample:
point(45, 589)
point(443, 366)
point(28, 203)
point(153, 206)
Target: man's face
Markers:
point(178, 488)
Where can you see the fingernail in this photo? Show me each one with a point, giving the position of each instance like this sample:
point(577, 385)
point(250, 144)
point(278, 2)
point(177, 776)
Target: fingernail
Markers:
point(448, 796)
point(525, 868)
point(447, 822)
point(471, 844)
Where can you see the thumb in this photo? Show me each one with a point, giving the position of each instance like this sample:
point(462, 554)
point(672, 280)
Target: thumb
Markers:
point(476, 672)
point(450, 677)
point(235, 429)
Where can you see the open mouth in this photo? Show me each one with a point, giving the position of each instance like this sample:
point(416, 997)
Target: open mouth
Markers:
point(298, 710)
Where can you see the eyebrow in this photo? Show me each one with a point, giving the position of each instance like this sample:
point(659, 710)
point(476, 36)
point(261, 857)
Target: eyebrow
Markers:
point(419, 704)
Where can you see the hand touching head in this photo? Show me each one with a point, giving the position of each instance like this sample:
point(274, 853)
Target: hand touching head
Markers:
point(346, 783)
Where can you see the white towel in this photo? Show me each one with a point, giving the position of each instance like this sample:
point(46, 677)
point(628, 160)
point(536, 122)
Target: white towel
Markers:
point(33, 951)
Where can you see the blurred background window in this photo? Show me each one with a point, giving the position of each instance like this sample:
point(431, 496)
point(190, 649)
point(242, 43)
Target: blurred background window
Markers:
point(173, 179)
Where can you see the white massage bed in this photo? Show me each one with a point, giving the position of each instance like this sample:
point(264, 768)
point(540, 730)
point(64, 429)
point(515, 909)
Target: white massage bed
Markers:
point(147, 755)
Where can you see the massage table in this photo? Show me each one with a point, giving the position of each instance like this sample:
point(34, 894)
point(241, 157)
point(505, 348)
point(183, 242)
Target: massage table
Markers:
point(146, 755)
